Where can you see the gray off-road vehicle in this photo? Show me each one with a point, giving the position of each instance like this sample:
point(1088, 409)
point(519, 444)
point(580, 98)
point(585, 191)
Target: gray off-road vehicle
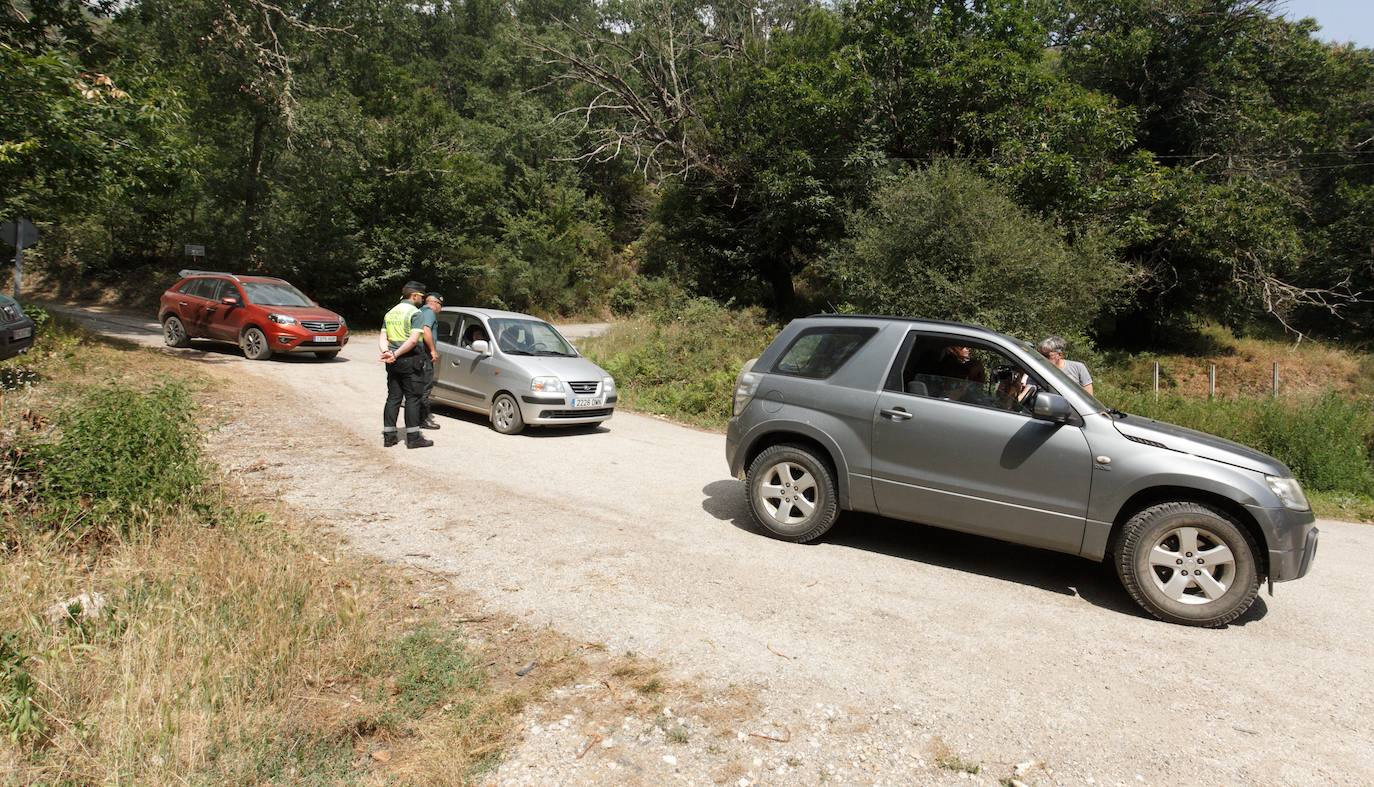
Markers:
point(964, 428)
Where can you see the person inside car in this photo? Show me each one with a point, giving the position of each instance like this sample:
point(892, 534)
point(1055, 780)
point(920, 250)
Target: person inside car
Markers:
point(963, 374)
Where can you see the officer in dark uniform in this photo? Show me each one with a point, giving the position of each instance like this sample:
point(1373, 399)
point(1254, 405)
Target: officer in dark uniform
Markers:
point(401, 345)
point(429, 325)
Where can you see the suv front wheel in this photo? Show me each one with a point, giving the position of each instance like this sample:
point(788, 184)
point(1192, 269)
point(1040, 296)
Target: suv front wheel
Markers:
point(792, 493)
point(1188, 563)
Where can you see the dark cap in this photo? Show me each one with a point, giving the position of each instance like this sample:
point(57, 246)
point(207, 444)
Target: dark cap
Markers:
point(412, 287)
point(436, 296)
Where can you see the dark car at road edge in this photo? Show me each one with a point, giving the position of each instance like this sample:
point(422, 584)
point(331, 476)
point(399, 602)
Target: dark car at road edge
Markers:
point(16, 328)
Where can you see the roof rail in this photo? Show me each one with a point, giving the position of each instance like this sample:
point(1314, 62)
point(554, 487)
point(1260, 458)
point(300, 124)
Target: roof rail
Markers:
point(897, 318)
point(189, 272)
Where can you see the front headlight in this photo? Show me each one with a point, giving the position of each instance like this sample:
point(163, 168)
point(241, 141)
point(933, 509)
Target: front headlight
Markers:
point(282, 319)
point(546, 385)
point(607, 384)
point(1289, 491)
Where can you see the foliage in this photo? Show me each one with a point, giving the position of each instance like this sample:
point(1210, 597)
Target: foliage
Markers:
point(120, 456)
point(946, 243)
point(19, 717)
point(682, 361)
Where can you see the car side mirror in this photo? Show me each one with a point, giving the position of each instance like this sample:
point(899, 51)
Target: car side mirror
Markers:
point(229, 300)
point(1052, 407)
point(481, 348)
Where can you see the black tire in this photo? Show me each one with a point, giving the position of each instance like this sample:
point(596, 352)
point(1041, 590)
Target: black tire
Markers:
point(327, 355)
point(505, 415)
point(775, 467)
point(254, 344)
point(174, 332)
point(1148, 576)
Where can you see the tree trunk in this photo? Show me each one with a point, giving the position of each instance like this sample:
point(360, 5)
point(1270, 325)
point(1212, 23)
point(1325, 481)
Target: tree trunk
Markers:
point(252, 189)
point(779, 276)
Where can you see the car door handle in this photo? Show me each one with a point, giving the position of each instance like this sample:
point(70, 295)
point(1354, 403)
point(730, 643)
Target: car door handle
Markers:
point(897, 414)
point(183, 303)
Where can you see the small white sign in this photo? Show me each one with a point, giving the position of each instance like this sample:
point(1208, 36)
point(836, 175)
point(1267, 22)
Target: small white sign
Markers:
point(195, 250)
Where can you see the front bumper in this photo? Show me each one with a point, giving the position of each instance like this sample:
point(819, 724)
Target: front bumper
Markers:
point(555, 410)
point(294, 339)
point(16, 337)
point(1292, 538)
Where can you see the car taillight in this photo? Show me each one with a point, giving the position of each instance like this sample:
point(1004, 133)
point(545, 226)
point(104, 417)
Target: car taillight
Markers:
point(746, 385)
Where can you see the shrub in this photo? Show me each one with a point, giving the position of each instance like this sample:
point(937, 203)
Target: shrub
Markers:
point(682, 360)
point(120, 454)
point(946, 243)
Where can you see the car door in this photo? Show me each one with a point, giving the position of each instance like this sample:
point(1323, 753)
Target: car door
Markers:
point(458, 375)
point(224, 321)
point(953, 446)
point(198, 310)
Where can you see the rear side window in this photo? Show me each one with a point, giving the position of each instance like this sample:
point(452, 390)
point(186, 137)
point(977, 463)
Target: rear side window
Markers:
point(818, 353)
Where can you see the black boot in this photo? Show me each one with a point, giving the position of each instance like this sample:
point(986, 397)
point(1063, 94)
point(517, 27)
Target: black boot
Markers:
point(429, 423)
point(389, 439)
point(417, 440)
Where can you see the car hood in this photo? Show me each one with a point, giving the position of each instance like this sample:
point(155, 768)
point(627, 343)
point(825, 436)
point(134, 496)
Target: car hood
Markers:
point(305, 312)
point(1191, 441)
point(570, 369)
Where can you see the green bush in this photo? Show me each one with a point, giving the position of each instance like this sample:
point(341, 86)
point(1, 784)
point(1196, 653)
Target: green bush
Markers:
point(1327, 441)
point(682, 360)
point(947, 243)
point(120, 455)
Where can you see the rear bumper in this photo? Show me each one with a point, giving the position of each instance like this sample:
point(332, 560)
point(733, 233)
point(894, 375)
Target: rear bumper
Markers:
point(11, 346)
point(1292, 538)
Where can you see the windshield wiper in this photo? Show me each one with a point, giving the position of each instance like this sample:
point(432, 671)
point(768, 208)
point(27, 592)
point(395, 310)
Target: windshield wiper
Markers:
point(516, 352)
point(1115, 413)
point(554, 352)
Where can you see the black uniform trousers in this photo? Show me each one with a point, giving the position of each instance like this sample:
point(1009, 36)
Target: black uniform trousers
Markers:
point(426, 409)
point(405, 382)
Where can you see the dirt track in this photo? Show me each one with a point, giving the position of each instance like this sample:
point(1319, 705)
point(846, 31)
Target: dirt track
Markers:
point(634, 535)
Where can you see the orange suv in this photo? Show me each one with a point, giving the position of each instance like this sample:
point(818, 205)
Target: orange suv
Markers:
point(261, 314)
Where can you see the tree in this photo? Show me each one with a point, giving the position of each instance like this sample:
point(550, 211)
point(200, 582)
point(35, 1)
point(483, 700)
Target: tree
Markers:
point(945, 243)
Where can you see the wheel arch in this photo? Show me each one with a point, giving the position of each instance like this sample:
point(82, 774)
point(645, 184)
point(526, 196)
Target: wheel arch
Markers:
point(1183, 494)
point(829, 454)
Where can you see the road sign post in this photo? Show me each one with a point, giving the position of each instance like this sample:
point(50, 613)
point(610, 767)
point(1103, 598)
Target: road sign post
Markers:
point(19, 234)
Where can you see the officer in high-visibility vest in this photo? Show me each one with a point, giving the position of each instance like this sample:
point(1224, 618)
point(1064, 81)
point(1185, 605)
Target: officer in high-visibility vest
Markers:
point(399, 343)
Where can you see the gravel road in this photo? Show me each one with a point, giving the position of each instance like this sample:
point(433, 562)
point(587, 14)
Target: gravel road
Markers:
point(917, 640)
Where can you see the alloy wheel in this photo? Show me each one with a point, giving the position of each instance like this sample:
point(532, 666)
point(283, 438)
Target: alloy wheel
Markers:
point(1192, 565)
point(503, 412)
point(173, 332)
point(788, 493)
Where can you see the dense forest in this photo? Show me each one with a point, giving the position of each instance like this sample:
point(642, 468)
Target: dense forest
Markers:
point(1120, 169)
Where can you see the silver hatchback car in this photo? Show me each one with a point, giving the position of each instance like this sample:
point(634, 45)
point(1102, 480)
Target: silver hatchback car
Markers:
point(518, 370)
point(964, 428)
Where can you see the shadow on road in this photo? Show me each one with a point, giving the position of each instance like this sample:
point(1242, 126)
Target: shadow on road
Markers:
point(207, 349)
point(1095, 583)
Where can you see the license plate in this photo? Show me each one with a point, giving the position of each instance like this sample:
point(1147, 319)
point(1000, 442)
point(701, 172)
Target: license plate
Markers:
point(327, 339)
point(587, 401)
point(22, 333)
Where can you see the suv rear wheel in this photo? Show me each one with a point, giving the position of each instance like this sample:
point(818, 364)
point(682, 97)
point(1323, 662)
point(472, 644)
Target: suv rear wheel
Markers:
point(174, 332)
point(792, 493)
point(1188, 563)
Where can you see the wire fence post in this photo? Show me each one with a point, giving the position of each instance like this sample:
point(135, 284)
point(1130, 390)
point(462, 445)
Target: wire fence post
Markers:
point(1156, 379)
point(1212, 381)
point(1276, 379)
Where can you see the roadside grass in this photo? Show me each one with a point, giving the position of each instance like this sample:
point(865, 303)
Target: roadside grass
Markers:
point(220, 639)
point(681, 362)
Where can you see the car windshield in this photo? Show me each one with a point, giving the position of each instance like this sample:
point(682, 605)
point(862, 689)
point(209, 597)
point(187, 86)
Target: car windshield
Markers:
point(530, 337)
point(274, 293)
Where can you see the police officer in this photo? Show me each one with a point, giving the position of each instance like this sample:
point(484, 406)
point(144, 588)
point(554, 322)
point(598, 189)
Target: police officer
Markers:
point(429, 326)
point(401, 346)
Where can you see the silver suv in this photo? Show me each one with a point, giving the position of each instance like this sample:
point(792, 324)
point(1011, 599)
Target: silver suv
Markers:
point(968, 429)
point(518, 370)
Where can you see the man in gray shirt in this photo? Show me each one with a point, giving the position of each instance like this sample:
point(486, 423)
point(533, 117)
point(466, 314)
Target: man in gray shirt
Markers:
point(1052, 347)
